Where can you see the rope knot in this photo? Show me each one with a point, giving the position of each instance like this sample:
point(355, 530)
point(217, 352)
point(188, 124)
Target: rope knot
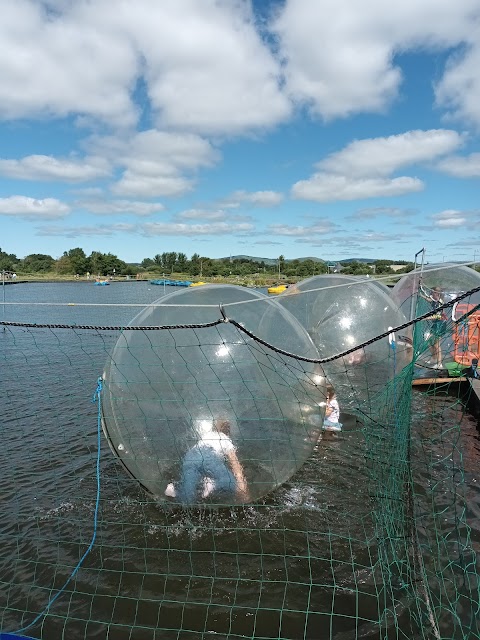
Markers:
point(224, 315)
point(98, 389)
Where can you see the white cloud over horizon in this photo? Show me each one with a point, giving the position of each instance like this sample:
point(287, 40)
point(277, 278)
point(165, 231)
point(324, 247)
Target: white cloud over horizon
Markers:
point(254, 198)
point(83, 231)
point(155, 163)
point(379, 157)
point(42, 167)
point(33, 209)
point(325, 187)
point(180, 229)
point(119, 207)
point(450, 218)
point(385, 212)
point(320, 227)
point(461, 166)
point(363, 168)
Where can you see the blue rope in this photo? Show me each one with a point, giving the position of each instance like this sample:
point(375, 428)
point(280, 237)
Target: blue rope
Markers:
point(96, 396)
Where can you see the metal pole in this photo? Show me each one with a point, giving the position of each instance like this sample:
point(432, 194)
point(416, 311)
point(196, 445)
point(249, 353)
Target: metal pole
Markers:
point(414, 288)
point(3, 288)
point(163, 284)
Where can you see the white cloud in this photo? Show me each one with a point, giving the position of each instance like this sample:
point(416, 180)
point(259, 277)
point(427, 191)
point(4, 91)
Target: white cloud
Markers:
point(377, 157)
point(320, 228)
point(384, 212)
point(340, 54)
point(179, 229)
point(459, 89)
point(206, 67)
point(155, 162)
point(324, 187)
point(373, 237)
point(32, 209)
point(143, 186)
point(362, 169)
point(255, 198)
point(450, 218)
point(40, 167)
point(115, 207)
point(76, 232)
point(461, 166)
point(267, 242)
point(201, 214)
point(64, 64)
point(204, 64)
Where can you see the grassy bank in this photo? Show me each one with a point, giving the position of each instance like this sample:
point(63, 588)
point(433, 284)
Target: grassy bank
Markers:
point(246, 281)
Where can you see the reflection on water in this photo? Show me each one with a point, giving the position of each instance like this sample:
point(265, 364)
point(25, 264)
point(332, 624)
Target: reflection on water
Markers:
point(302, 563)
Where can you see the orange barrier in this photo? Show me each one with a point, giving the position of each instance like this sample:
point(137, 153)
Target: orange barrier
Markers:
point(466, 336)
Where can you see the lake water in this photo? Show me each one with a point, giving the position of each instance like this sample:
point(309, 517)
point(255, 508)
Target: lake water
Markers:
point(302, 563)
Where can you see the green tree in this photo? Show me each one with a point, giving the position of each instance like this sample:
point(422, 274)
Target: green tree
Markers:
point(409, 266)
point(8, 261)
point(383, 266)
point(182, 262)
point(356, 268)
point(38, 263)
point(106, 264)
point(194, 266)
point(63, 265)
point(147, 263)
point(170, 261)
point(159, 261)
point(73, 261)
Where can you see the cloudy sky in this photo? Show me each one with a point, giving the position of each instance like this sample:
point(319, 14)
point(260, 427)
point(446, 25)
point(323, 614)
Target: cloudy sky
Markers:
point(329, 128)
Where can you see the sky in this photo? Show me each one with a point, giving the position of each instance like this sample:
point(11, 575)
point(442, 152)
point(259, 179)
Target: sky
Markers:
point(327, 128)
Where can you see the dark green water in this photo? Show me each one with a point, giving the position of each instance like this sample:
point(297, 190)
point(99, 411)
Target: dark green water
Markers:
point(303, 563)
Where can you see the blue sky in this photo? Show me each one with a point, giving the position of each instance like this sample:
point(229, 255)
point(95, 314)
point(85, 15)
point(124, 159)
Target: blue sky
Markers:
point(334, 129)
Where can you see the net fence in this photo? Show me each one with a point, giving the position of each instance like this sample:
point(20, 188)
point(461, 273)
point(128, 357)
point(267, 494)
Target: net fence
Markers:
point(375, 535)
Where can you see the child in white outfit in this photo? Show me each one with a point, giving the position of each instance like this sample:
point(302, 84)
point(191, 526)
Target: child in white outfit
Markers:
point(332, 412)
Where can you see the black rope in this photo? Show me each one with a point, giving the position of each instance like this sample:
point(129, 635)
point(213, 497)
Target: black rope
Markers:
point(240, 327)
point(34, 325)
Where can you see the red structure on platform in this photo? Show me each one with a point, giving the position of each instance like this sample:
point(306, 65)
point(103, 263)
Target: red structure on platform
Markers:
point(466, 336)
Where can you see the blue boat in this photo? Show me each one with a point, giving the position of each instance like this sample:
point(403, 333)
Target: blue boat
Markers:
point(172, 283)
point(101, 283)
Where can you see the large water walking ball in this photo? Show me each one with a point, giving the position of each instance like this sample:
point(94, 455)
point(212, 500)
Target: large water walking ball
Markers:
point(341, 313)
point(452, 280)
point(210, 415)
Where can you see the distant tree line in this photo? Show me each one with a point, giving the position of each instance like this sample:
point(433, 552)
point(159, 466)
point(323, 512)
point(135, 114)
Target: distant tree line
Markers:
point(71, 262)
point(75, 261)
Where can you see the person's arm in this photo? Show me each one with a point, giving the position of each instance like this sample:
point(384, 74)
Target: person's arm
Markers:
point(423, 294)
point(237, 471)
point(328, 410)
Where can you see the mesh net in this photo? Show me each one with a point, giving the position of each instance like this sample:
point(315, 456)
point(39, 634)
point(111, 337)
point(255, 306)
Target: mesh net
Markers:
point(374, 536)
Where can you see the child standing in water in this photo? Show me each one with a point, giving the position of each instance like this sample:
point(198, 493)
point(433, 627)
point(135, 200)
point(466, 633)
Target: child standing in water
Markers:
point(332, 412)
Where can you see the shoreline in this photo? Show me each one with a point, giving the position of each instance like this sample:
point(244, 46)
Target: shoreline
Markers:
point(241, 281)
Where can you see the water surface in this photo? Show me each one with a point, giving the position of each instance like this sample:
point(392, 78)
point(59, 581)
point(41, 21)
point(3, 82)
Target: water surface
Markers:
point(302, 563)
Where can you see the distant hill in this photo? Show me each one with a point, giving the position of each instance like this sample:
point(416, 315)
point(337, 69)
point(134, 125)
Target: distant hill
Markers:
point(268, 260)
point(365, 260)
point(275, 260)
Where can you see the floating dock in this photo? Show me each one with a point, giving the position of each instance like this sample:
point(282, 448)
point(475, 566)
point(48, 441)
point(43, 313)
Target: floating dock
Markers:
point(470, 390)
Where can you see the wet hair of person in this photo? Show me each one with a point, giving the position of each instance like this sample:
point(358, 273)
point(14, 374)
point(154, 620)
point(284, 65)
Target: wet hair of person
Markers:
point(223, 426)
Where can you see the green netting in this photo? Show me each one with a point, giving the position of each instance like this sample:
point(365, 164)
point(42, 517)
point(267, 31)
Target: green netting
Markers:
point(375, 536)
